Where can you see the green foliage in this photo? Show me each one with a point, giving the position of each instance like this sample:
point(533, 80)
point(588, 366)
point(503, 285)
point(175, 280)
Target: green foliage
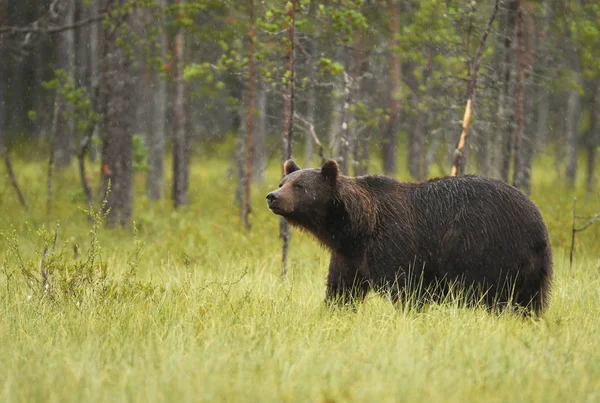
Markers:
point(330, 67)
point(79, 106)
point(586, 34)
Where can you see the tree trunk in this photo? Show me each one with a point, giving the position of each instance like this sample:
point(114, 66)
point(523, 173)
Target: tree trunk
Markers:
point(344, 132)
point(250, 122)
point(312, 98)
point(260, 135)
point(51, 158)
point(82, 47)
point(4, 73)
point(3, 150)
point(288, 120)
point(416, 146)
point(335, 123)
point(507, 133)
point(96, 45)
point(573, 105)
point(528, 138)
point(66, 59)
point(543, 113)
point(543, 110)
point(117, 142)
point(144, 93)
point(157, 133)
point(361, 154)
point(390, 134)
point(180, 136)
point(519, 100)
point(592, 137)
point(40, 101)
point(360, 139)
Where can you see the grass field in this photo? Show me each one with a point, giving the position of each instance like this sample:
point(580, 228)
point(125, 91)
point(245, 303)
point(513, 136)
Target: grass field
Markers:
point(201, 313)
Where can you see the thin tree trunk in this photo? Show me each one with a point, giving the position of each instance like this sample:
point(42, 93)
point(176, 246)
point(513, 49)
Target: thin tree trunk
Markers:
point(260, 153)
point(458, 167)
point(507, 100)
point(87, 190)
point(497, 138)
point(51, 158)
point(592, 137)
point(573, 110)
point(528, 139)
point(240, 162)
point(288, 120)
point(543, 113)
point(95, 48)
point(335, 123)
point(82, 48)
point(180, 137)
point(519, 100)
point(416, 148)
point(362, 154)
point(66, 58)
point(11, 172)
point(157, 133)
point(7, 162)
point(250, 122)
point(543, 110)
point(390, 134)
point(360, 138)
point(144, 93)
point(312, 98)
point(3, 84)
point(344, 132)
point(40, 101)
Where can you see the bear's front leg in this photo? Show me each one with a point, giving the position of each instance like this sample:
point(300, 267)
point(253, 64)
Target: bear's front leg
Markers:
point(345, 285)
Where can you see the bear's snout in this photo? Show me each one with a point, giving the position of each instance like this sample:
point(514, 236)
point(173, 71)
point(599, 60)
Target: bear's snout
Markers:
point(278, 203)
point(271, 197)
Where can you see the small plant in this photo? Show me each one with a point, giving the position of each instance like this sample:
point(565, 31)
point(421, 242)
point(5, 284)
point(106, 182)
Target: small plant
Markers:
point(60, 278)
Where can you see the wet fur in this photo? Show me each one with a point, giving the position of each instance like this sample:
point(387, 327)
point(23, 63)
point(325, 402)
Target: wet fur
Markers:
point(393, 236)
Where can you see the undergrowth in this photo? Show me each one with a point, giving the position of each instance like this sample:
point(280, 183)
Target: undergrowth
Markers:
point(58, 275)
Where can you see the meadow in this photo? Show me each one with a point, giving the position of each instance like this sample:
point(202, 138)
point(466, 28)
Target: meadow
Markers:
point(191, 307)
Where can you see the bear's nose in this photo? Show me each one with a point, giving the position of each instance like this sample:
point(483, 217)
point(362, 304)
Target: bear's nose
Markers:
point(271, 197)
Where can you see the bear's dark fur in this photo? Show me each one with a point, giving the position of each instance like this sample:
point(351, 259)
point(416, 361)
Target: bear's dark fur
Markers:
point(393, 236)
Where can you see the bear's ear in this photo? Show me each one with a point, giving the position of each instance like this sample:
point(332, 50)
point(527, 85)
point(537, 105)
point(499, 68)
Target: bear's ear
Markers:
point(330, 170)
point(290, 166)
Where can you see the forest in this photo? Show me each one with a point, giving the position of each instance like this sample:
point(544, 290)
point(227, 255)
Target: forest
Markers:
point(139, 138)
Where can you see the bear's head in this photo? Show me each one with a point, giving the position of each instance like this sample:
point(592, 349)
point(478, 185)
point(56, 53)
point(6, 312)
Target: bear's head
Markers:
point(304, 194)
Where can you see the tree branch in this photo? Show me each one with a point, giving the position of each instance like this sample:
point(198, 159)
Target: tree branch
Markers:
point(313, 133)
point(36, 29)
point(575, 230)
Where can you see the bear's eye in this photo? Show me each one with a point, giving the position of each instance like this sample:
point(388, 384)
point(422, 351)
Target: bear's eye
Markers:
point(298, 186)
point(280, 185)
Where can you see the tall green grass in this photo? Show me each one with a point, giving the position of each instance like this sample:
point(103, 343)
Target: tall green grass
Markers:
point(202, 313)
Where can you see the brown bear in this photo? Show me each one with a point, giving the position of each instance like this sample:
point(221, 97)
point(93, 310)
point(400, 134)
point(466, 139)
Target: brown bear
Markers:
point(409, 238)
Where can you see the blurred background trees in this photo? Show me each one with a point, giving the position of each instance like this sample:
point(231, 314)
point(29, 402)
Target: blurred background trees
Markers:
point(380, 84)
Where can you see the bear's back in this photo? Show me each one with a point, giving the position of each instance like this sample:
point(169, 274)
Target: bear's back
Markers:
point(472, 198)
point(467, 221)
